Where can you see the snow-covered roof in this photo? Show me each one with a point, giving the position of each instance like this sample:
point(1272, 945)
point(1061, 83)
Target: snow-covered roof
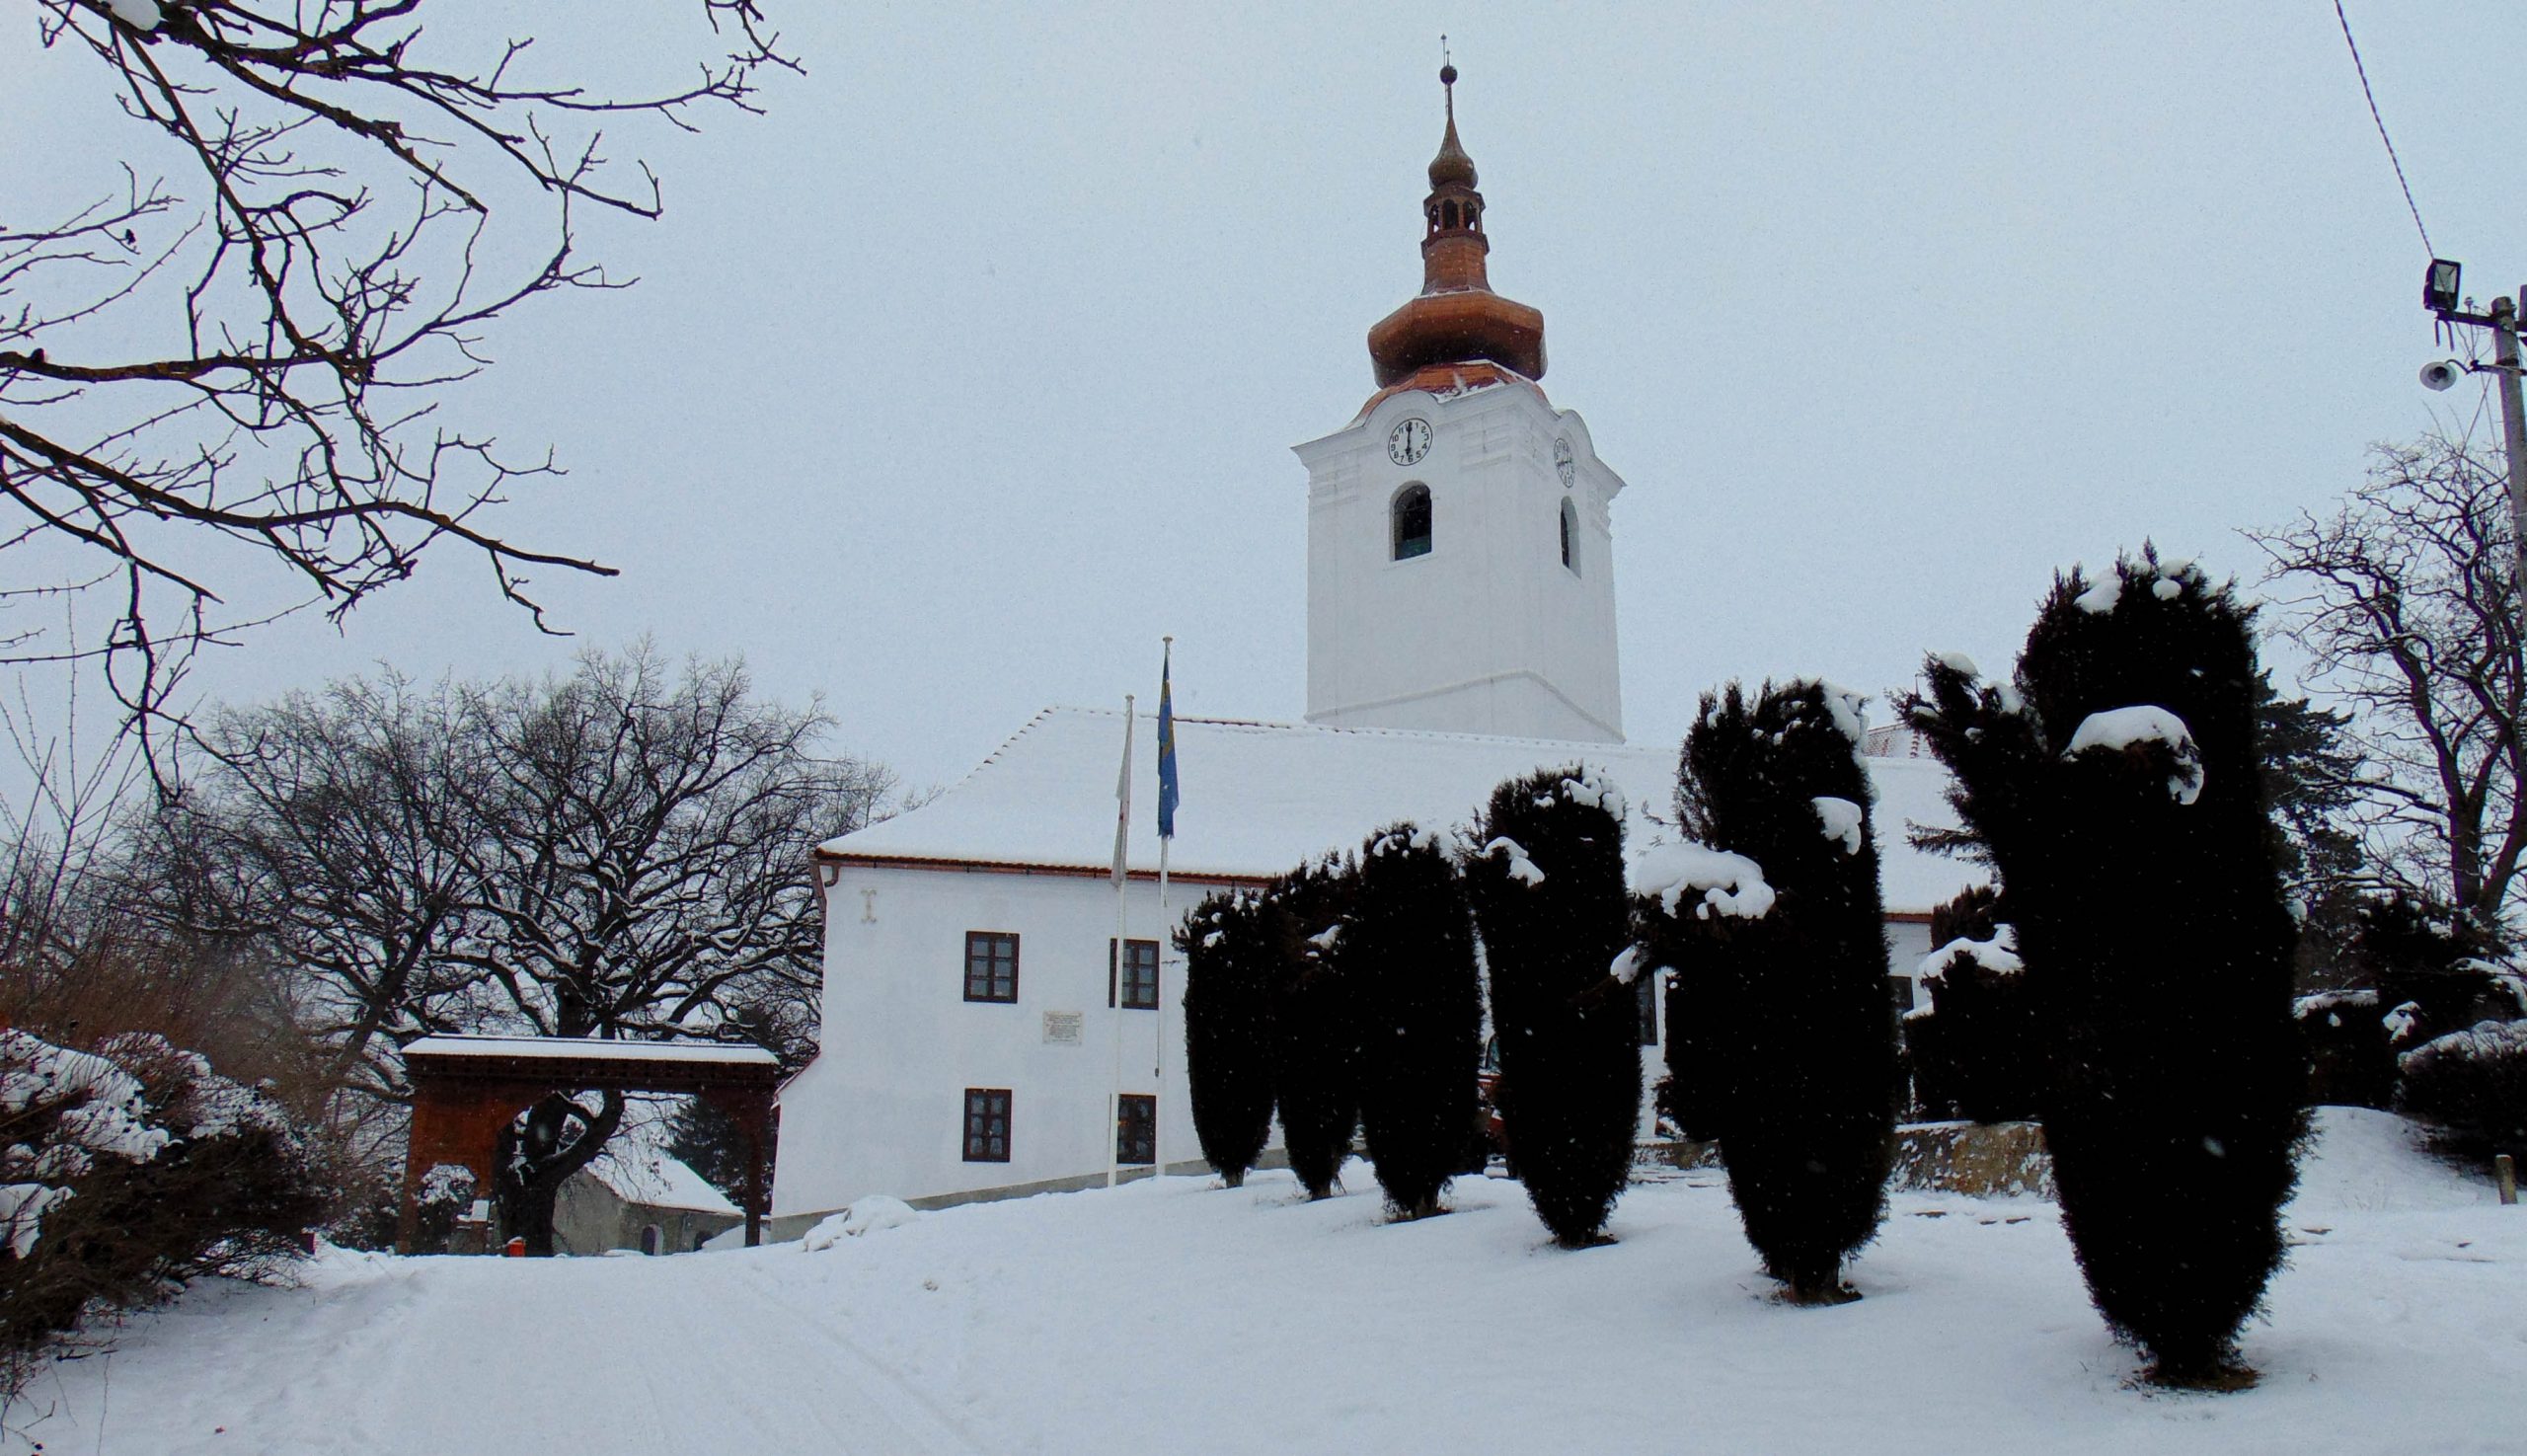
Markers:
point(1259, 798)
point(590, 1048)
point(638, 1169)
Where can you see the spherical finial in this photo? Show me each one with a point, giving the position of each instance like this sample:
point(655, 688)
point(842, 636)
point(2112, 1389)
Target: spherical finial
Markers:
point(1447, 75)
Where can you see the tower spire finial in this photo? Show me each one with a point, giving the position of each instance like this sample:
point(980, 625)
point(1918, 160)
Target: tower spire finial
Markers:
point(1453, 165)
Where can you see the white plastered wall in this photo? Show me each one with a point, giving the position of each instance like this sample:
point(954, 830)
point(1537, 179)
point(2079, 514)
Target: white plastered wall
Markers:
point(882, 1108)
point(1490, 633)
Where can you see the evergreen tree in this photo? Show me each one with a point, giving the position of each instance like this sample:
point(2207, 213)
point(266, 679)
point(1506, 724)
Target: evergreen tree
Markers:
point(1699, 1012)
point(1316, 1031)
point(2116, 786)
point(1807, 1076)
point(1407, 954)
point(1973, 1049)
point(1548, 891)
point(1229, 974)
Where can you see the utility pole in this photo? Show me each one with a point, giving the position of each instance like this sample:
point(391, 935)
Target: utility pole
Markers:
point(2513, 430)
point(2439, 285)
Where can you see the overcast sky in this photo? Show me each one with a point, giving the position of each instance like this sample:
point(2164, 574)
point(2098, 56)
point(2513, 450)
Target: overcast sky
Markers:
point(973, 366)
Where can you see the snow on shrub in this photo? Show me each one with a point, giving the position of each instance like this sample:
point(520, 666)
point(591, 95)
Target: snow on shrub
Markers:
point(1408, 953)
point(1731, 885)
point(2473, 1084)
point(1974, 1048)
point(2123, 729)
point(1802, 1074)
point(1569, 1088)
point(447, 1191)
point(129, 1168)
point(1229, 975)
point(866, 1215)
point(2156, 944)
point(63, 1110)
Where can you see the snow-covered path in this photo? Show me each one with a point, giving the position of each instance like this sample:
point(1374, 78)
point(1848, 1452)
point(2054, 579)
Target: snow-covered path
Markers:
point(1179, 1316)
point(438, 1355)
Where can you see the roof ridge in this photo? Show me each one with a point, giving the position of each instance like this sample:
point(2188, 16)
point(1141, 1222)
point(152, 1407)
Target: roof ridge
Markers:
point(1360, 729)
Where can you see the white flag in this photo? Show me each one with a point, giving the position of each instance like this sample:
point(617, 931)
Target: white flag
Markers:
point(1124, 798)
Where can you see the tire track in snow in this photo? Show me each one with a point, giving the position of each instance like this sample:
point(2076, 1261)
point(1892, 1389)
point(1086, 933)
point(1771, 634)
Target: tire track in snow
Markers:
point(941, 1431)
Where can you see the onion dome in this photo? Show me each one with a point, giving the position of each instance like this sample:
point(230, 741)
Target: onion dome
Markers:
point(1457, 318)
point(1452, 167)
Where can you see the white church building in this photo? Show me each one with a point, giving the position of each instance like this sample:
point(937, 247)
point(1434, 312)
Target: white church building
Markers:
point(1461, 632)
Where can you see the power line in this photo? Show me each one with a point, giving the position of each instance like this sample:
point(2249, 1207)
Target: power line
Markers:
point(2382, 130)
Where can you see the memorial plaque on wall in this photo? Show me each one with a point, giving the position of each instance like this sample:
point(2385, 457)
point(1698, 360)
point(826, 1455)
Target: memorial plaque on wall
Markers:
point(1061, 1027)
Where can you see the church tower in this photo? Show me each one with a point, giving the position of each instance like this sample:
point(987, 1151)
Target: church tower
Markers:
point(1460, 565)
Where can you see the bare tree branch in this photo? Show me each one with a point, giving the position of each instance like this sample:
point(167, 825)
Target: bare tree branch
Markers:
point(309, 294)
point(2406, 599)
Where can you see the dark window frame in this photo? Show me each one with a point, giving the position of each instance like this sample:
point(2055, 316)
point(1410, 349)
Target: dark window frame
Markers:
point(1132, 983)
point(1570, 516)
point(978, 1120)
point(1137, 1129)
point(1400, 547)
point(989, 982)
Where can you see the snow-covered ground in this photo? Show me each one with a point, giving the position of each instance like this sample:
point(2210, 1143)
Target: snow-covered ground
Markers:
point(1181, 1317)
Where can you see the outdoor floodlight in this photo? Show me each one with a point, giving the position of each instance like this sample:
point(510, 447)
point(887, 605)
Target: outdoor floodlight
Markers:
point(2439, 285)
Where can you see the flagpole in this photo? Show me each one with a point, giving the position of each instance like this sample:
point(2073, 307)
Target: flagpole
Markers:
point(1158, 1061)
point(1114, 975)
point(1166, 927)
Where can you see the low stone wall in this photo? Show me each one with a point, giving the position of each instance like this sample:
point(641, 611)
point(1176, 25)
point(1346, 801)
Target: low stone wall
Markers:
point(1977, 1158)
point(1980, 1159)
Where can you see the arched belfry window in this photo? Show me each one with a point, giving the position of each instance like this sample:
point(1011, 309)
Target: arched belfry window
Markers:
point(1570, 536)
point(1411, 518)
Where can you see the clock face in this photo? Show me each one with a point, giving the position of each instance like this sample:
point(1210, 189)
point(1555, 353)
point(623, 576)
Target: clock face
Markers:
point(1561, 465)
point(1409, 441)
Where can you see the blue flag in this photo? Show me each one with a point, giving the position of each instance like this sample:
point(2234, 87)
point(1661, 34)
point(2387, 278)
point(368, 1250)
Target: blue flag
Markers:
point(1166, 747)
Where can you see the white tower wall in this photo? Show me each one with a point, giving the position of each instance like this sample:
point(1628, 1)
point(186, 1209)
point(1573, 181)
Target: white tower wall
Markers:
point(1490, 633)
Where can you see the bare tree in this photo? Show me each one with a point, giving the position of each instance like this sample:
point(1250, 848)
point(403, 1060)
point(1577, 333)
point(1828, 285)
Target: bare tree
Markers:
point(2406, 599)
point(219, 397)
point(622, 854)
point(338, 826)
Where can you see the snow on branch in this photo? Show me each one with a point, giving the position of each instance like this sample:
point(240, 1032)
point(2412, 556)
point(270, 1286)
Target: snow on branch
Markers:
point(1522, 869)
point(1840, 818)
point(1999, 955)
point(1731, 885)
point(2143, 723)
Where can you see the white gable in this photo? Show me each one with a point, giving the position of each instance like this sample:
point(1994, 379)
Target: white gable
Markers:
point(638, 1169)
point(1259, 798)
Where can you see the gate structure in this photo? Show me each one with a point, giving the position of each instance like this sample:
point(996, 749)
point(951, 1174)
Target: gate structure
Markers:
point(467, 1089)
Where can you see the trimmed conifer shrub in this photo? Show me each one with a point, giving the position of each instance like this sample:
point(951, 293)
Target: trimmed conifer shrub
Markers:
point(1316, 1031)
point(2115, 784)
point(1696, 1017)
point(1408, 954)
point(2344, 1038)
point(1806, 1067)
point(1973, 1050)
point(1229, 974)
point(1547, 881)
